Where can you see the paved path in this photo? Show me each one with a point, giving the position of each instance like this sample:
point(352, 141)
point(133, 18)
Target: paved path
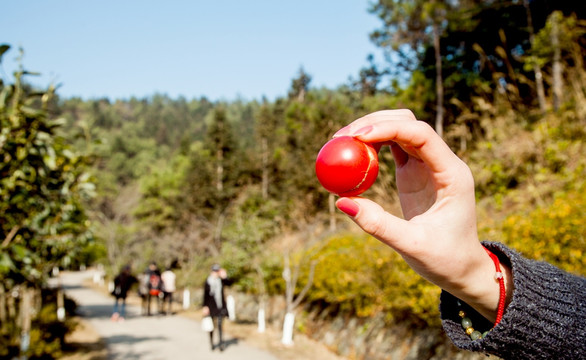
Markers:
point(149, 338)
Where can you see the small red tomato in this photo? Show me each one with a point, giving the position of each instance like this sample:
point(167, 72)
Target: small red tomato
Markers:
point(346, 166)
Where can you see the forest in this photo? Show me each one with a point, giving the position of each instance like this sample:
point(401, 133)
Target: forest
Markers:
point(190, 182)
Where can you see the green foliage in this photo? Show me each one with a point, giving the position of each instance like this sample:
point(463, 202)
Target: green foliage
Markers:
point(252, 223)
point(161, 190)
point(42, 188)
point(307, 126)
point(571, 32)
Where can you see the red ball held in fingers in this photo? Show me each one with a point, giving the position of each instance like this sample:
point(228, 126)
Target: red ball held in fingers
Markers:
point(346, 166)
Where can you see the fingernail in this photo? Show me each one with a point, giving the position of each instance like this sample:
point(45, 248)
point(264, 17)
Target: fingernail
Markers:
point(363, 131)
point(343, 131)
point(348, 207)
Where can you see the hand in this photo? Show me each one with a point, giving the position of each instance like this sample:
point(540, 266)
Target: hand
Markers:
point(438, 236)
point(205, 311)
point(222, 273)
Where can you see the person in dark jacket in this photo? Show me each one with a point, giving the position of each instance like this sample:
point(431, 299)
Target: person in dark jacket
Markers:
point(214, 302)
point(154, 287)
point(122, 284)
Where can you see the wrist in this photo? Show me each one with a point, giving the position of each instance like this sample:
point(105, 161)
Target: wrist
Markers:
point(489, 287)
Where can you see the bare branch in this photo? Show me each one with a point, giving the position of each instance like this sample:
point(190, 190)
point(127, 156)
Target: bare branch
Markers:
point(10, 236)
point(306, 287)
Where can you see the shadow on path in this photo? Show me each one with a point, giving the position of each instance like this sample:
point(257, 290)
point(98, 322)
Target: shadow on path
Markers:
point(129, 339)
point(95, 311)
point(230, 342)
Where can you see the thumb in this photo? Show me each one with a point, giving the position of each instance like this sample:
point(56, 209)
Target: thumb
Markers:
point(374, 220)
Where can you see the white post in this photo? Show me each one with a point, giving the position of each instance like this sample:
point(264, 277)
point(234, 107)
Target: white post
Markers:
point(60, 305)
point(101, 274)
point(61, 314)
point(261, 320)
point(288, 329)
point(231, 305)
point(186, 300)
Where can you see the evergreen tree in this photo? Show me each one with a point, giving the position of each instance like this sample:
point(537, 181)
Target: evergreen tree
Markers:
point(411, 23)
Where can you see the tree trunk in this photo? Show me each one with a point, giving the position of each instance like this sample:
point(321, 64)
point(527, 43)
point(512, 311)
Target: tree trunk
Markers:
point(26, 318)
point(439, 86)
point(60, 304)
point(291, 301)
point(217, 243)
point(288, 324)
point(219, 170)
point(289, 286)
point(332, 204)
point(3, 317)
point(265, 167)
point(536, 69)
point(557, 63)
point(262, 297)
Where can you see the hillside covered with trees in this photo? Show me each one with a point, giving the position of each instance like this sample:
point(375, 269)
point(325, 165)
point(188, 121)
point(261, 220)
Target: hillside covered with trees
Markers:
point(189, 182)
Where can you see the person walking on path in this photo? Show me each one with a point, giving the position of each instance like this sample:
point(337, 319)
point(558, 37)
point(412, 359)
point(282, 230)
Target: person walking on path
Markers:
point(145, 337)
point(122, 283)
point(214, 302)
point(154, 286)
point(143, 291)
point(168, 278)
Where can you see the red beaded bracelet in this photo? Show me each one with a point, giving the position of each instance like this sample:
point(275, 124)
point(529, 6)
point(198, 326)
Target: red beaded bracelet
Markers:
point(502, 292)
point(467, 323)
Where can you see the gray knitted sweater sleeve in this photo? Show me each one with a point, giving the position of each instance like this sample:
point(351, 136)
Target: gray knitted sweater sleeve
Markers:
point(546, 318)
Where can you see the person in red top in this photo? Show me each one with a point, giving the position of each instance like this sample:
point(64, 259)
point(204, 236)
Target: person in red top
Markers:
point(154, 285)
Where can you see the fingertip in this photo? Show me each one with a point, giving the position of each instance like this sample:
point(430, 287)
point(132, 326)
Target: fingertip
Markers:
point(345, 131)
point(348, 206)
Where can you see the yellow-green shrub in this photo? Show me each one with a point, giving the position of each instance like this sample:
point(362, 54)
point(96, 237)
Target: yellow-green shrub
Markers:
point(360, 275)
point(555, 233)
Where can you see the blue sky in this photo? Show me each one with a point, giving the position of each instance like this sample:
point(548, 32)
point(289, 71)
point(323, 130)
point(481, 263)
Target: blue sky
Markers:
point(218, 49)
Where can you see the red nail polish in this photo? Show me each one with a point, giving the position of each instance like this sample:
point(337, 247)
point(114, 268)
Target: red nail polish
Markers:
point(348, 206)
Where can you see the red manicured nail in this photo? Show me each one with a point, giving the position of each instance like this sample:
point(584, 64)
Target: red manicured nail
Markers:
point(348, 207)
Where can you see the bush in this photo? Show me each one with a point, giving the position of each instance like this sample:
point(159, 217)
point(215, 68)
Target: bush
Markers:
point(555, 233)
point(359, 275)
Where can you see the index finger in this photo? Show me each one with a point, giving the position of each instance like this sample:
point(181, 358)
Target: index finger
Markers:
point(376, 117)
point(416, 138)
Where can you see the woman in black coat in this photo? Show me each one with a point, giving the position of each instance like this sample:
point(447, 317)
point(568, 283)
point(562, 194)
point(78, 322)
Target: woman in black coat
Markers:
point(214, 302)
